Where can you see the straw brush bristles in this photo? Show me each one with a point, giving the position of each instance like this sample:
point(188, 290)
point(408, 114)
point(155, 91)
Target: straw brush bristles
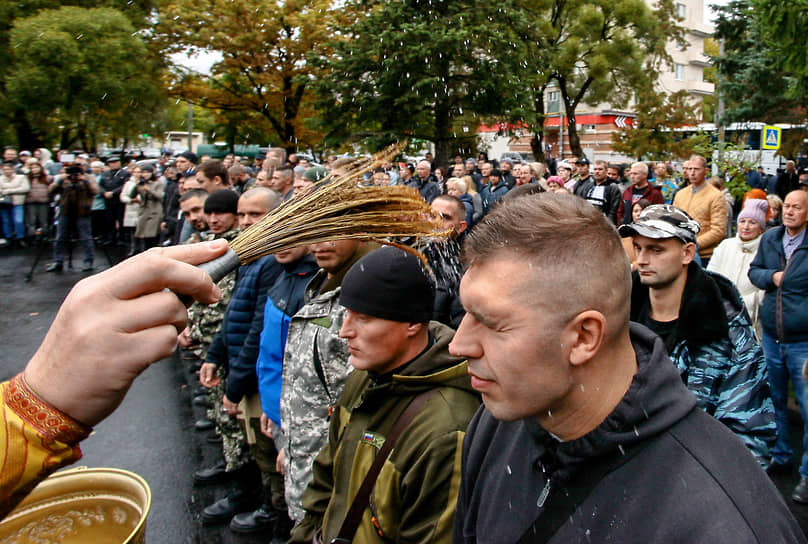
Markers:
point(343, 208)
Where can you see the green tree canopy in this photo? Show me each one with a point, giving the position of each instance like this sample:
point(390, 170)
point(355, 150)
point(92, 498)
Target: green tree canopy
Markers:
point(653, 135)
point(591, 51)
point(87, 70)
point(11, 13)
point(414, 68)
point(782, 24)
point(751, 89)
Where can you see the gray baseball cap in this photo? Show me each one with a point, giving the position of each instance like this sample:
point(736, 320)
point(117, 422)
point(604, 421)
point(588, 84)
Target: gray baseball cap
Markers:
point(663, 221)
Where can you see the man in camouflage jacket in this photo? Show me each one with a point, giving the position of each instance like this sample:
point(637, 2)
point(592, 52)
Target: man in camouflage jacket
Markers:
point(706, 329)
point(315, 367)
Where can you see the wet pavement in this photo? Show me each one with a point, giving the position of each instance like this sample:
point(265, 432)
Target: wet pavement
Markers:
point(152, 433)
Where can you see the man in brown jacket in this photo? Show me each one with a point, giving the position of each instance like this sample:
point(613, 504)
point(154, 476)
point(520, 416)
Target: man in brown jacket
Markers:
point(705, 204)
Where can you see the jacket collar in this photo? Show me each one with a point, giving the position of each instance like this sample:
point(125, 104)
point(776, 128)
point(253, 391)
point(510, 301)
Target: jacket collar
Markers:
point(702, 314)
point(655, 401)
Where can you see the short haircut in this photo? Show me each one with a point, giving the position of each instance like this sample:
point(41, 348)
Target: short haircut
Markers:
point(563, 237)
point(236, 170)
point(194, 193)
point(601, 163)
point(340, 162)
point(273, 199)
point(700, 159)
point(286, 171)
point(278, 152)
point(213, 168)
point(642, 166)
point(523, 190)
point(459, 206)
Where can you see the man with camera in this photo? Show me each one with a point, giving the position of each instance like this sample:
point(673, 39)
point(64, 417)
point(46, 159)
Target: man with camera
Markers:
point(76, 190)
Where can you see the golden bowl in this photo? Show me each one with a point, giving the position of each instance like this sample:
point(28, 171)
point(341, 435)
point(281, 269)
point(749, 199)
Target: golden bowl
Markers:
point(82, 505)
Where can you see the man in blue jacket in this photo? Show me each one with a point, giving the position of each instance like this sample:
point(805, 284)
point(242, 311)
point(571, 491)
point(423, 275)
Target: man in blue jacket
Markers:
point(781, 268)
point(283, 299)
point(233, 353)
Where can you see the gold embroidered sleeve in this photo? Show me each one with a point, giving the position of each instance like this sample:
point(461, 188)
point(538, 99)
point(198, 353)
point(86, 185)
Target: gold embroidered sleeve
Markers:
point(35, 440)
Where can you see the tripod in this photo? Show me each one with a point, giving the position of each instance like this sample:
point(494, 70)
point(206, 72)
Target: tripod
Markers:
point(49, 238)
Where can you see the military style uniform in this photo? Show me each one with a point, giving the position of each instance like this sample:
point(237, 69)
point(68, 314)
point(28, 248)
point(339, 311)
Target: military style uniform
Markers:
point(204, 321)
point(315, 367)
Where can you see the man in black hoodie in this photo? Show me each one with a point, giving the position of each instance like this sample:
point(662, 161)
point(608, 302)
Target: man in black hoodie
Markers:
point(587, 433)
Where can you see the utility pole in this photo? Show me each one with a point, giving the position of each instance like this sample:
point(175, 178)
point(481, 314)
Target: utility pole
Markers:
point(190, 126)
point(719, 116)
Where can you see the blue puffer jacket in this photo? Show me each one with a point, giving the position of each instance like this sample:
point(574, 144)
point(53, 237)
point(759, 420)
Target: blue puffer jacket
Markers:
point(719, 358)
point(235, 346)
point(284, 299)
point(784, 313)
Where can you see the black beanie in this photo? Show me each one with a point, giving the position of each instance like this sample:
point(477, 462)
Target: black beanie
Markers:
point(389, 283)
point(222, 201)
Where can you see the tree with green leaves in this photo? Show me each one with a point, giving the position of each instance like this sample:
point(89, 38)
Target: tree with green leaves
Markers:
point(25, 131)
point(263, 70)
point(782, 25)
point(591, 51)
point(414, 68)
point(653, 134)
point(751, 89)
point(84, 69)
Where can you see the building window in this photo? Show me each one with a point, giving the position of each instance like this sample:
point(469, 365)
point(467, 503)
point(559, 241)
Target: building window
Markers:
point(553, 96)
point(679, 72)
point(681, 10)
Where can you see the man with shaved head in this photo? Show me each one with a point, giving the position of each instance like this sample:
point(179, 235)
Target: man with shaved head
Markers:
point(587, 431)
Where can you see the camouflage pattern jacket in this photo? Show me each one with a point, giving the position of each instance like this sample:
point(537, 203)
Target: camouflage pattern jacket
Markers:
point(204, 320)
point(719, 358)
point(315, 367)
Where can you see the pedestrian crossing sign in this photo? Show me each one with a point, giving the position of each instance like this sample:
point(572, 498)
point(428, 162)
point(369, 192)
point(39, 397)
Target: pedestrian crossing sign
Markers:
point(771, 137)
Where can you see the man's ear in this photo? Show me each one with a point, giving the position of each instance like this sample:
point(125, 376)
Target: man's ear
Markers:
point(414, 328)
point(583, 337)
point(688, 253)
point(461, 227)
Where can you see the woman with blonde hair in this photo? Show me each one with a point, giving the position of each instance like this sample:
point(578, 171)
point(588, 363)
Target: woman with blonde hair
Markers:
point(476, 199)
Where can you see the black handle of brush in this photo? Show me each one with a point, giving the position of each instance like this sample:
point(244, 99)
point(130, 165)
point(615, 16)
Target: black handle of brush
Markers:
point(217, 269)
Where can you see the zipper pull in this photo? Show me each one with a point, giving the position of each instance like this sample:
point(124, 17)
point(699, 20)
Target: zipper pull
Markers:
point(544, 493)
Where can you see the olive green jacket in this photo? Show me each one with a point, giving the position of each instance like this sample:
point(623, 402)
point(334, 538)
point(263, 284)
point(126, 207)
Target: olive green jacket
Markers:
point(416, 492)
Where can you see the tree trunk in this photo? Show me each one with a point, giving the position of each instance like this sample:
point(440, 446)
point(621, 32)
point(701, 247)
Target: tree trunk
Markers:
point(442, 132)
point(575, 141)
point(27, 138)
point(289, 114)
point(537, 139)
point(66, 139)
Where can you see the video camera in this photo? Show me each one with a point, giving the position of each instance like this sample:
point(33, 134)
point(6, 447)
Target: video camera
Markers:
point(74, 173)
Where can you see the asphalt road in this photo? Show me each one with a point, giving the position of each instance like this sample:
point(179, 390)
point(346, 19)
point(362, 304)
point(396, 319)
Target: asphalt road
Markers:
point(152, 432)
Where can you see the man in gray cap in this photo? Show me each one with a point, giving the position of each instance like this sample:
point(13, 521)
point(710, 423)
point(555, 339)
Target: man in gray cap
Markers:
point(399, 356)
point(704, 325)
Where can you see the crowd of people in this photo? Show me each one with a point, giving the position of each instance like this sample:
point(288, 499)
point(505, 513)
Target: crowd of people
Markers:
point(344, 380)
